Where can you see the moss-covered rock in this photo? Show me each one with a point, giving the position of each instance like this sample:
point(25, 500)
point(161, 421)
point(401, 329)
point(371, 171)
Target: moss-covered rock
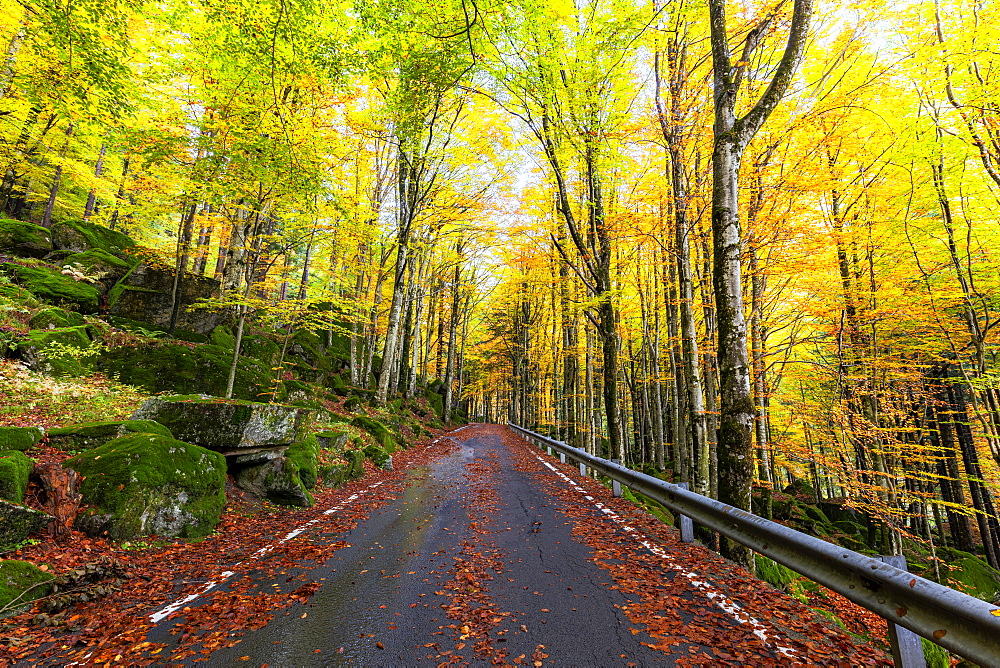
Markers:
point(299, 393)
point(20, 438)
point(15, 467)
point(222, 336)
point(146, 294)
point(80, 237)
point(19, 295)
point(101, 265)
point(52, 317)
point(49, 284)
point(969, 573)
point(21, 583)
point(145, 484)
point(225, 424)
point(63, 351)
point(378, 456)
point(381, 433)
point(305, 454)
point(186, 369)
point(89, 435)
point(356, 463)
point(17, 522)
point(436, 402)
point(24, 239)
point(278, 481)
point(333, 475)
point(334, 438)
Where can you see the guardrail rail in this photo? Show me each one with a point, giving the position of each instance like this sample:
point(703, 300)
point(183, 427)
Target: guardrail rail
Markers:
point(958, 622)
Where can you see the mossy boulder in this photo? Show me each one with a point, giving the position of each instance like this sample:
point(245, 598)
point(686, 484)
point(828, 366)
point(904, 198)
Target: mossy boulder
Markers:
point(334, 438)
point(24, 239)
point(17, 522)
point(146, 294)
point(333, 475)
point(145, 484)
point(378, 456)
point(63, 351)
point(299, 393)
point(222, 336)
point(380, 432)
point(969, 573)
point(101, 265)
point(21, 583)
point(305, 454)
point(20, 438)
point(436, 402)
point(80, 237)
point(19, 296)
point(278, 480)
point(52, 317)
point(356, 463)
point(15, 467)
point(226, 424)
point(89, 435)
point(50, 284)
point(186, 369)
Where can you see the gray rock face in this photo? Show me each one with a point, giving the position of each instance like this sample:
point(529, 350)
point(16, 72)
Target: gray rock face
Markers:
point(227, 426)
point(18, 522)
point(145, 295)
point(277, 481)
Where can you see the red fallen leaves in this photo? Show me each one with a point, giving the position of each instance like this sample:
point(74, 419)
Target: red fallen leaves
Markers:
point(113, 629)
point(703, 632)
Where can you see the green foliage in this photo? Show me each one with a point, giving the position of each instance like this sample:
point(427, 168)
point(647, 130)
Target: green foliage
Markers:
point(15, 468)
point(145, 484)
point(20, 583)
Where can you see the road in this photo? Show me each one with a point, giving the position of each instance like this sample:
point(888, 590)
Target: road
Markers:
point(492, 553)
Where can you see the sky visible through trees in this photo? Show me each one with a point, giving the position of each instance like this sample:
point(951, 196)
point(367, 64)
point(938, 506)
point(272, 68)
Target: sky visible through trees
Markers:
point(751, 244)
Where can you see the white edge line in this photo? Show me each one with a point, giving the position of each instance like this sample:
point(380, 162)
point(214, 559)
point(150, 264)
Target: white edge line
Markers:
point(715, 596)
point(168, 610)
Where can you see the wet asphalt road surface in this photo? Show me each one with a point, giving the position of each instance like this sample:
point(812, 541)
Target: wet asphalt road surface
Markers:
point(383, 601)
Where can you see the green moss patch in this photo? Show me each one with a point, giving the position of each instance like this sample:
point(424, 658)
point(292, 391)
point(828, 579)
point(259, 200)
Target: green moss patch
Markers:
point(381, 433)
point(146, 484)
point(378, 456)
point(15, 467)
point(305, 454)
point(19, 438)
point(53, 316)
point(21, 583)
point(972, 575)
point(80, 237)
point(17, 522)
point(63, 351)
point(90, 435)
point(24, 239)
point(356, 463)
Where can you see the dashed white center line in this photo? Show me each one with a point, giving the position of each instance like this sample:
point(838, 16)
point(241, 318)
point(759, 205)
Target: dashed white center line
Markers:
point(166, 611)
point(725, 603)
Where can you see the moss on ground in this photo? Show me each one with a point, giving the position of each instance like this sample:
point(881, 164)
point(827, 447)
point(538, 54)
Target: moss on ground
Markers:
point(21, 583)
point(145, 484)
point(19, 438)
point(15, 467)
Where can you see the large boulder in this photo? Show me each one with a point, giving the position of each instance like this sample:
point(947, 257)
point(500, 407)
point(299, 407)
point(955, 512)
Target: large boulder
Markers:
point(89, 435)
point(186, 369)
point(63, 351)
point(100, 265)
point(278, 481)
point(17, 522)
point(145, 484)
point(79, 237)
point(47, 282)
point(227, 425)
point(22, 582)
point(146, 294)
point(15, 468)
point(20, 438)
point(24, 239)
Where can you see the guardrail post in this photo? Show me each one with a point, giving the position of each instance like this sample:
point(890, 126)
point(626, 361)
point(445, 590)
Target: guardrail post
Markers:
point(583, 470)
point(616, 487)
point(907, 650)
point(686, 525)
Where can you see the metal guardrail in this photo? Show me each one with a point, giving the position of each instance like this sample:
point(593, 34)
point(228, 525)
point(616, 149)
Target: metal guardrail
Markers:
point(958, 622)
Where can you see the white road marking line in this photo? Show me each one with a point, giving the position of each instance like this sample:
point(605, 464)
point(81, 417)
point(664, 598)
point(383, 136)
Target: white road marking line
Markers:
point(166, 611)
point(718, 598)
